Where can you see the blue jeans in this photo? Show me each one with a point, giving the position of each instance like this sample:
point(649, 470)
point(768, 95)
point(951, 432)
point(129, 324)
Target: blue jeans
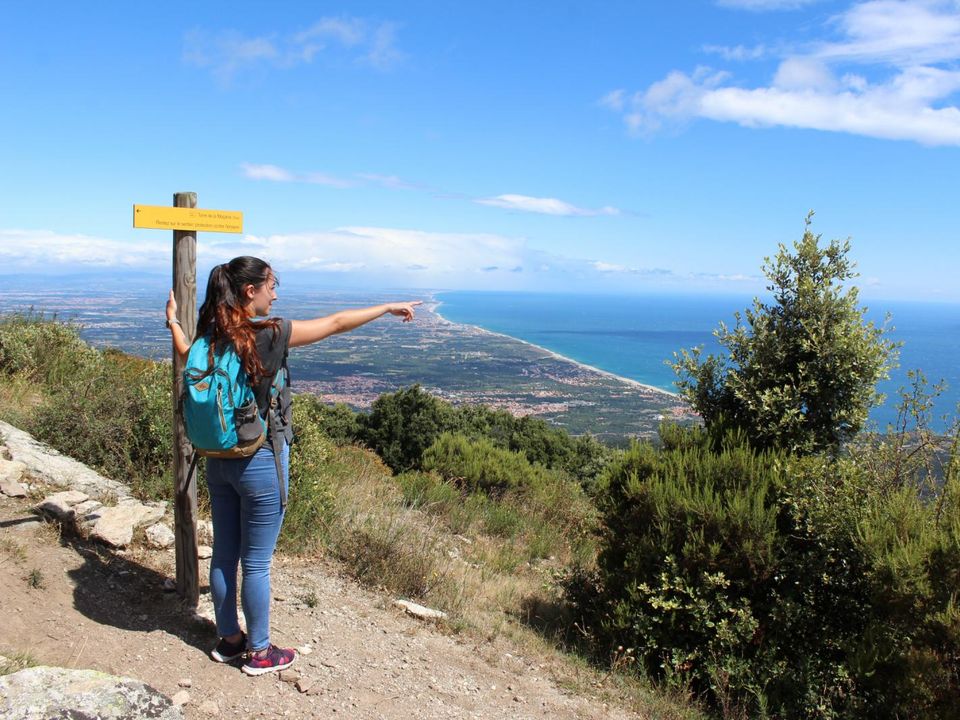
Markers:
point(246, 510)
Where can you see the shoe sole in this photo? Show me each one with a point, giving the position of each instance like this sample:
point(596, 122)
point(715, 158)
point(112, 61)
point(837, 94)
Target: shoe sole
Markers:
point(224, 658)
point(263, 671)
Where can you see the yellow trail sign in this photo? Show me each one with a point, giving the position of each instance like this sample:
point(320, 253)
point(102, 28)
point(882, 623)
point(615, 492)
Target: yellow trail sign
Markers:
point(175, 218)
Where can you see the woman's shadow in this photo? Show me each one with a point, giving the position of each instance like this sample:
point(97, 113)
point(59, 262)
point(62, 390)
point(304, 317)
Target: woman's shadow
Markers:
point(111, 589)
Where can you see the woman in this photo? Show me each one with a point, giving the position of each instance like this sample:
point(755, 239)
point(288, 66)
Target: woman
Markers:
point(245, 503)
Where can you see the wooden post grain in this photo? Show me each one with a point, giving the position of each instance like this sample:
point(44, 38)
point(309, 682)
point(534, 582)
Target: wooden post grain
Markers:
point(185, 500)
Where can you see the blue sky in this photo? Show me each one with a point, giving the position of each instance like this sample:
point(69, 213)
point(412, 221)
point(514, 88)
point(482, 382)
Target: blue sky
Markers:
point(617, 146)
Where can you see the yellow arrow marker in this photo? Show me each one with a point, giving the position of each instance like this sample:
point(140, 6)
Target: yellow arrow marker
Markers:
point(160, 217)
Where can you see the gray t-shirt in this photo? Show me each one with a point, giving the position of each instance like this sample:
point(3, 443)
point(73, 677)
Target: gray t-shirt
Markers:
point(273, 346)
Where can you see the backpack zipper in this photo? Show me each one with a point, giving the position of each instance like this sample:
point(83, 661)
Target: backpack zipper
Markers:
point(223, 420)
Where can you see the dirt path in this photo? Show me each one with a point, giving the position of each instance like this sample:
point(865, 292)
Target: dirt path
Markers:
point(107, 611)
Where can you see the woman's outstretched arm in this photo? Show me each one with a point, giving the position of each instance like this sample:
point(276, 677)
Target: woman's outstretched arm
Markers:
point(304, 332)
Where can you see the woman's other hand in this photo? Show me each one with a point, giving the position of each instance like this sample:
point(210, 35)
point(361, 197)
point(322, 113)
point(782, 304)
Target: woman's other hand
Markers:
point(404, 310)
point(171, 308)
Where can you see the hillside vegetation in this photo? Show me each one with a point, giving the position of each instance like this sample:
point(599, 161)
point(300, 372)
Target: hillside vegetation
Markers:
point(775, 562)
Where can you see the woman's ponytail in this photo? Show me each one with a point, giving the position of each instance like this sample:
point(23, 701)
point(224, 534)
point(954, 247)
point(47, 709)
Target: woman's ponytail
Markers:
point(222, 315)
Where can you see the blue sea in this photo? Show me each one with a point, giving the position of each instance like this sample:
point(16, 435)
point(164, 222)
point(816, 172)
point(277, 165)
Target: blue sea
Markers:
point(633, 335)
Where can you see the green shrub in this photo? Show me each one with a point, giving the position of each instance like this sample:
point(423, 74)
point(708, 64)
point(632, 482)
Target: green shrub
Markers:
point(113, 413)
point(45, 350)
point(776, 585)
point(338, 422)
point(310, 501)
point(480, 465)
point(510, 496)
point(403, 424)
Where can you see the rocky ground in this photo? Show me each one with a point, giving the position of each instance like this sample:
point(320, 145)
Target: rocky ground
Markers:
point(76, 603)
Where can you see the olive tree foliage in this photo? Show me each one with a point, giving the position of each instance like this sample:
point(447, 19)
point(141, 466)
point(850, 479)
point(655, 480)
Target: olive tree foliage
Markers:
point(800, 372)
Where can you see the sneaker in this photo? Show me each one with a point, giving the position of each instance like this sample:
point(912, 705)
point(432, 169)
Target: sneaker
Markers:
point(276, 659)
point(226, 651)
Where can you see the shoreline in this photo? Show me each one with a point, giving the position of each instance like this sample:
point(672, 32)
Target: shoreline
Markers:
point(435, 309)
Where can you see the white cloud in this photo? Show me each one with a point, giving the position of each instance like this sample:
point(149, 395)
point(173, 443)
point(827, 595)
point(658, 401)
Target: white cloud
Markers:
point(804, 73)
point(544, 206)
point(273, 173)
point(616, 269)
point(524, 203)
point(737, 52)
point(389, 181)
point(267, 172)
point(904, 33)
point(46, 250)
point(910, 49)
point(373, 256)
point(388, 250)
point(765, 5)
point(613, 99)
point(227, 52)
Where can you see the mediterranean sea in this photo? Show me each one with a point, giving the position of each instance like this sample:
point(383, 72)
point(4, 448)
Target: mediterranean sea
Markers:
point(633, 335)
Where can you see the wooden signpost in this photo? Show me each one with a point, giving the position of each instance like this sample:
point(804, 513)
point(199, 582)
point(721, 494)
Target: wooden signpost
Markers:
point(185, 219)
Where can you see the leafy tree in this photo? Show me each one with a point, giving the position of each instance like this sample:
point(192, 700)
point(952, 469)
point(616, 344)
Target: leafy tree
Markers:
point(800, 373)
point(403, 424)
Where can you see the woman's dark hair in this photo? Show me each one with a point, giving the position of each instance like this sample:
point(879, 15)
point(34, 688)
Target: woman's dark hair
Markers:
point(223, 318)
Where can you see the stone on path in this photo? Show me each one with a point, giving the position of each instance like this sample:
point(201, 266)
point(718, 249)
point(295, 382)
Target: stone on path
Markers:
point(160, 536)
point(11, 470)
point(38, 693)
point(61, 504)
point(204, 552)
point(54, 468)
point(86, 514)
point(305, 684)
point(419, 611)
point(209, 707)
point(116, 524)
point(12, 488)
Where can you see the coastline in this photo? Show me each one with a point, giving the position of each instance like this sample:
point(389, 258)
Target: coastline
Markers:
point(435, 309)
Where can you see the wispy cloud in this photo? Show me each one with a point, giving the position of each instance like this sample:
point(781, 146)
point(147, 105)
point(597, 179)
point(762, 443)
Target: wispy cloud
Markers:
point(737, 53)
point(396, 257)
point(523, 203)
point(390, 181)
point(227, 52)
point(544, 206)
point(765, 5)
point(890, 74)
point(617, 269)
point(273, 173)
point(45, 250)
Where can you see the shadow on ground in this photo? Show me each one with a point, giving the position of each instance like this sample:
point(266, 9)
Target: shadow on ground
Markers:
point(111, 589)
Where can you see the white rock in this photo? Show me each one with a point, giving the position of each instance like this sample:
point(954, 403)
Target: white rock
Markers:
point(205, 531)
point(209, 707)
point(181, 698)
point(419, 611)
point(47, 692)
point(54, 468)
point(116, 524)
point(87, 508)
point(12, 488)
point(204, 552)
point(61, 504)
point(160, 536)
point(11, 470)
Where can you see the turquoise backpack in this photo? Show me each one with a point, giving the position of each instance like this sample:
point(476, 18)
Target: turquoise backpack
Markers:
point(219, 408)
